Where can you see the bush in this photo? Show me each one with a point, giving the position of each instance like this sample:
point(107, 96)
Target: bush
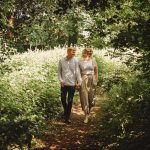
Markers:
point(124, 121)
point(125, 117)
point(29, 94)
point(111, 71)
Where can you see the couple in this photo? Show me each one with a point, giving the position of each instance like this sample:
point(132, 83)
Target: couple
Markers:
point(81, 75)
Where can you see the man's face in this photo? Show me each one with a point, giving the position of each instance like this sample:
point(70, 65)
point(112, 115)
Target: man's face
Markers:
point(71, 53)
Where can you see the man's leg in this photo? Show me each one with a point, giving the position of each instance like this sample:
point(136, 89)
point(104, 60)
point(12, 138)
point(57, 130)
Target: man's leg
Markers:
point(63, 99)
point(71, 91)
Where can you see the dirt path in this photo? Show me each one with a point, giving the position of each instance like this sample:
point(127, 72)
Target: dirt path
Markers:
point(74, 136)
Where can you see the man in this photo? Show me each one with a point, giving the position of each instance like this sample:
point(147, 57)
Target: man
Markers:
point(69, 78)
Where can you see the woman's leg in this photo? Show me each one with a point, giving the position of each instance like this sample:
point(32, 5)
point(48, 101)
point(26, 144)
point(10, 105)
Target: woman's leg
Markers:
point(86, 116)
point(84, 98)
point(91, 93)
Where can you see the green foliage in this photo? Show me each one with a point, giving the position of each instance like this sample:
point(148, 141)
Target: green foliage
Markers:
point(5, 51)
point(97, 42)
point(35, 34)
point(49, 23)
point(132, 19)
point(125, 120)
point(123, 25)
point(29, 96)
point(111, 72)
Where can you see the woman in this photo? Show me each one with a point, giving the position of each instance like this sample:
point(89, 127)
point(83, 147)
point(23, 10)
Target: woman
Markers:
point(90, 53)
point(89, 73)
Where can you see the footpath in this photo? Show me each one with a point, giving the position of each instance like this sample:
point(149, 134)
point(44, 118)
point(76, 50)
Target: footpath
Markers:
point(74, 136)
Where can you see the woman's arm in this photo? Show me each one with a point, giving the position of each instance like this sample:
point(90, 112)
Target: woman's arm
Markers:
point(95, 69)
point(96, 72)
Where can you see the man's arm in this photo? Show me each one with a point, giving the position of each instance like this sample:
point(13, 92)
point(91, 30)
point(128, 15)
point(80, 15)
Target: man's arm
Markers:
point(60, 74)
point(78, 74)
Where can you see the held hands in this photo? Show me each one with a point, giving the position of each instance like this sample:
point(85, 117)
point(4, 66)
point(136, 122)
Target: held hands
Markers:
point(78, 86)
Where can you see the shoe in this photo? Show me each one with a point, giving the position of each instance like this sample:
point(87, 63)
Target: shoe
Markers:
point(93, 103)
point(67, 121)
point(86, 119)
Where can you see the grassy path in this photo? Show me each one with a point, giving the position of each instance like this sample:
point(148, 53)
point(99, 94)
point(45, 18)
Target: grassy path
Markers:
point(74, 136)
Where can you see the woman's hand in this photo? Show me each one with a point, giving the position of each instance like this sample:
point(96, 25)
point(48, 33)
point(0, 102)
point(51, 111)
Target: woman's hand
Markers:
point(78, 86)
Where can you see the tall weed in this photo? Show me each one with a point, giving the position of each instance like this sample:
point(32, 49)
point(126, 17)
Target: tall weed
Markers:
point(125, 110)
point(29, 93)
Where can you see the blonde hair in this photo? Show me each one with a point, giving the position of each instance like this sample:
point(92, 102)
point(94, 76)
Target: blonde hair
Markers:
point(71, 48)
point(84, 50)
point(89, 50)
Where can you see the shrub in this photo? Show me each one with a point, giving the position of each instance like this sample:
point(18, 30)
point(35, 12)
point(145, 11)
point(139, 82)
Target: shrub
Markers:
point(125, 117)
point(29, 94)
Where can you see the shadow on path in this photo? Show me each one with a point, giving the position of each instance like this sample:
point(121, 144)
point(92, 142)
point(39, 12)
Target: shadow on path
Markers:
point(74, 136)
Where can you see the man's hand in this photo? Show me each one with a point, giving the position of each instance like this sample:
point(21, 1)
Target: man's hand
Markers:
point(62, 83)
point(78, 86)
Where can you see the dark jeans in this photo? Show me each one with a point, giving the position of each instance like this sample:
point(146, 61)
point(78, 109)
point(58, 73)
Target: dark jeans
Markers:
point(67, 101)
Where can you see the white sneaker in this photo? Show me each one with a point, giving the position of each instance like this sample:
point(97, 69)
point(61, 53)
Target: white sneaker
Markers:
point(86, 119)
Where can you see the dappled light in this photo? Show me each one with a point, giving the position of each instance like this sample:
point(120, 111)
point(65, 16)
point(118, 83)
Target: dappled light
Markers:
point(111, 39)
point(76, 135)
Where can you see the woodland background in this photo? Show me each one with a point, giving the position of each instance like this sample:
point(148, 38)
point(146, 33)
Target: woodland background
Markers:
point(33, 36)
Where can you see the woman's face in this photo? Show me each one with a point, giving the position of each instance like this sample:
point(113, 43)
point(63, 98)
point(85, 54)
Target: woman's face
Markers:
point(90, 53)
point(84, 54)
